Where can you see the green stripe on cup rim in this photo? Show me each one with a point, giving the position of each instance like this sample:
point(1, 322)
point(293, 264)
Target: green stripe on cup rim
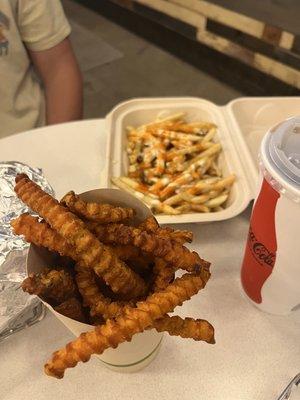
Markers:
point(135, 363)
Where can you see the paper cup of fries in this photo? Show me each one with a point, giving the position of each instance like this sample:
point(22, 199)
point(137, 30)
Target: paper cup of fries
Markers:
point(116, 276)
point(129, 356)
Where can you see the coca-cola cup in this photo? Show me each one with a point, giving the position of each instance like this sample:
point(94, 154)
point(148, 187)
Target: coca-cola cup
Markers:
point(271, 267)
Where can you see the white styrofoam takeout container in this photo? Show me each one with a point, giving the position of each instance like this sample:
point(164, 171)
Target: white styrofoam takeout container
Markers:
point(239, 135)
point(128, 356)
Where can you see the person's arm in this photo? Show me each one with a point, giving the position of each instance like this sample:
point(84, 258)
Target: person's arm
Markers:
point(62, 80)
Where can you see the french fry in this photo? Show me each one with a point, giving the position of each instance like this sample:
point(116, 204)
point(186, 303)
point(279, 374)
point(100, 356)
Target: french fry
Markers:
point(200, 199)
point(184, 208)
point(211, 184)
point(188, 150)
point(160, 159)
point(161, 122)
point(200, 208)
point(208, 137)
point(195, 127)
point(219, 208)
point(216, 148)
point(138, 187)
point(203, 198)
point(178, 198)
point(176, 165)
point(176, 135)
point(151, 203)
point(217, 201)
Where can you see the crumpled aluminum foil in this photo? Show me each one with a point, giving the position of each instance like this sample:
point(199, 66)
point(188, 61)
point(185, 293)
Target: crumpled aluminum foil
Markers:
point(17, 309)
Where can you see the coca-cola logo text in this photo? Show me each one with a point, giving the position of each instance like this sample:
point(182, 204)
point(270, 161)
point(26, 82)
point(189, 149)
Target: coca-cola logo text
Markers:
point(259, 251)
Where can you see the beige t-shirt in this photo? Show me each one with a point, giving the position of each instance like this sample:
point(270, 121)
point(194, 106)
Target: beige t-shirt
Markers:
point(36, 25)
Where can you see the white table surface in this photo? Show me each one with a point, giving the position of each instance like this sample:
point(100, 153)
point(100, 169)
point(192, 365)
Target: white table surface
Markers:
point(255, 356)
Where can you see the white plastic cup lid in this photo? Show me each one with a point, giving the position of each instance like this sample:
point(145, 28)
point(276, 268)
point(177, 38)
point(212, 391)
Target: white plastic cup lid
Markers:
point(281, 151)
point(284, 147)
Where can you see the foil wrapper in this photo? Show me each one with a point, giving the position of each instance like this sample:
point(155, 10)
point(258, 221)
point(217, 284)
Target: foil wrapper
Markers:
point(17, 309)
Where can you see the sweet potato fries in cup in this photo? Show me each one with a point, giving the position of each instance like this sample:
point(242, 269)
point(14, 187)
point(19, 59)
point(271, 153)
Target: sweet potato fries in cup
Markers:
point(111, 272)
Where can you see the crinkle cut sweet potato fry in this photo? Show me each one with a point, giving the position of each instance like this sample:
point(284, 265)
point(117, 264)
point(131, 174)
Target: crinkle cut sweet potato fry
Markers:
point(71, 308)
point(189, 328)
point(51, 285)
point(175, 326)
point(92, 295)
point(101, 306)
point(150, 225)
point(125, 252)
point(102, 213)
point(174, 253)
point(41, 234)
point(163, 274)
point(134, 320)
point(89, 250)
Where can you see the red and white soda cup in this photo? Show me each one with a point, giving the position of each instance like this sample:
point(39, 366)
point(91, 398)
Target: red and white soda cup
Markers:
point(271, 267)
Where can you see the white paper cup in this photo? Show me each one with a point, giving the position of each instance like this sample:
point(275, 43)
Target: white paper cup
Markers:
point(129, 356)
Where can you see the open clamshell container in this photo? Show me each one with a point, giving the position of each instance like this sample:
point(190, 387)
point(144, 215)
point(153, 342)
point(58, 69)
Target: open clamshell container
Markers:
point(241, 126)
point(128, 356)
